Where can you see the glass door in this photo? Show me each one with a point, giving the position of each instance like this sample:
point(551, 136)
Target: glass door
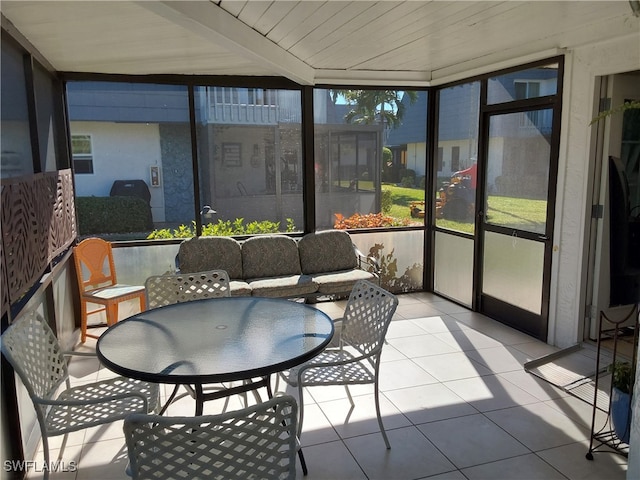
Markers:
point(516, 219)
point(494, 168)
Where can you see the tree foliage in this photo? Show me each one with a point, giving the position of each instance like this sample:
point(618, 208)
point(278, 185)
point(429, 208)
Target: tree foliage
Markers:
point(628, 105)
point(369, 107)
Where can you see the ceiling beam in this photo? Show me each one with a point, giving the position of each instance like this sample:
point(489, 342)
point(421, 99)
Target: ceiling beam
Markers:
point(489, 64)
point(373, 77)
point(11, 29)
point(215, 24)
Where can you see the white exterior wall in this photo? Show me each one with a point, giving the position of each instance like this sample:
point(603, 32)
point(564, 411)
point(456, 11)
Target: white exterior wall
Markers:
point(416, 158)
point(468, 154)
point(575, 181)
point(121, 151)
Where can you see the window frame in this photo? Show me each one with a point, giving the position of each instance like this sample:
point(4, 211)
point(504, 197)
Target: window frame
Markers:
point(81, 157)
point(308, 178)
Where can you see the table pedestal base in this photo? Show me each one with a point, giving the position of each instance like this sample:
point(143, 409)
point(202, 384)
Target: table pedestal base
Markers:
point(247, 386)
point(200, 396)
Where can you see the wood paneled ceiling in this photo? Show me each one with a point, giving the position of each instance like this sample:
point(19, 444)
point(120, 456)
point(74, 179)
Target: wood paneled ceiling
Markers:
point(408, 43)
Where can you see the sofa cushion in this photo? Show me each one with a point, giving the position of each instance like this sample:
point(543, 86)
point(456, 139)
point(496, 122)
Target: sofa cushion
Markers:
point(286, 286)
point(199, 254)
point(239, 288)
point(270, 256)
point(341, 282)
point(327, 251)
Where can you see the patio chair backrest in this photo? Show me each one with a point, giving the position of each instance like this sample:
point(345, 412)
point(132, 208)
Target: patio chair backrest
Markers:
point(367, 316)
point(94, 264)
point(255, 442)
point(162, 290)
point(35, 354)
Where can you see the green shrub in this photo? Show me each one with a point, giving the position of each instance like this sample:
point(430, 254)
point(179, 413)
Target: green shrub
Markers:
point(99, 215)
point(181, 232)
point(388, 170)
point(223, 228)
point(408, 181)
point(387, 155)
point(386, 201)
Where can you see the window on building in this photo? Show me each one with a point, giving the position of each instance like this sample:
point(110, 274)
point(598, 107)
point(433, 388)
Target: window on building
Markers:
point(523, 84)
point(82, 154)
point(455, 159)
point(526, 89)
point(226, 95)
point(260, 96)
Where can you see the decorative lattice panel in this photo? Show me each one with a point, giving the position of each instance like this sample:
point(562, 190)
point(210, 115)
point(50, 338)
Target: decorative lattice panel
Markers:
point(4, 292)
point(63, 229)
point(38, 223)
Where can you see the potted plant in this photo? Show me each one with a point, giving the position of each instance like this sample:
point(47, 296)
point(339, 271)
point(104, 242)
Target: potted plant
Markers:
point(622, 376)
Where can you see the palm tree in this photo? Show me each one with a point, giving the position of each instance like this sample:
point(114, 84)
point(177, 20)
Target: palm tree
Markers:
point(375, 106)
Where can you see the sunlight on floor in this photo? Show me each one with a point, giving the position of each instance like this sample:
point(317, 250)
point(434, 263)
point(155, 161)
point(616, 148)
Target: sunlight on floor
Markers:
point(456, 403)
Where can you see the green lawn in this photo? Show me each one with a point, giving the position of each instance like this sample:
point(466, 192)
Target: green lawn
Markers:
point(518, 213)
point(402, 196)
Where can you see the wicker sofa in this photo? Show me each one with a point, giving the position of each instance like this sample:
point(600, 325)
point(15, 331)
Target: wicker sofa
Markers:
point(319, 264)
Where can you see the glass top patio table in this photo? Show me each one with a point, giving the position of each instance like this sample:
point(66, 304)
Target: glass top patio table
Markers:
point(215, 340)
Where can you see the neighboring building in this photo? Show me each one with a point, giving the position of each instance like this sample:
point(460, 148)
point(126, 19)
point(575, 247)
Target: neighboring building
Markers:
point(457, 133)
point(408, 142)
point(126, 131)
point(251, 152)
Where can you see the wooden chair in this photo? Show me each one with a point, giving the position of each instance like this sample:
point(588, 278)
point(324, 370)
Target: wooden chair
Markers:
point(98, 283)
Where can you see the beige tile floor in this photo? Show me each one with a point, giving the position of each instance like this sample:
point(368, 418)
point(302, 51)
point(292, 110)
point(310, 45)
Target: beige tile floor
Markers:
point(456, 403)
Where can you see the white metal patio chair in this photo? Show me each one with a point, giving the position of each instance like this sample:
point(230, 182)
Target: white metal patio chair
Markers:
point(356, 360)
point(161, 290)
point(168, 289)
point(255, 442)
point(35, 355)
